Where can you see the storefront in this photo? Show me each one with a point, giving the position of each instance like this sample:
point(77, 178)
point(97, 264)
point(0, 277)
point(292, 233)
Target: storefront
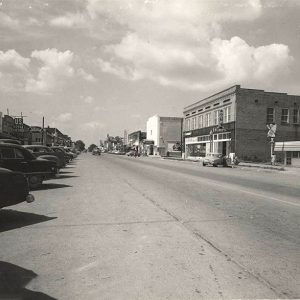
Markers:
point(215, 142)
point(290, 151)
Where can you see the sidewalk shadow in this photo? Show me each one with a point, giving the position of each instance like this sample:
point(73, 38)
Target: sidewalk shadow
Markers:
point(65, 176)
point(66, 172)
point(11, 219)
point(50, 186)
point(13, 280)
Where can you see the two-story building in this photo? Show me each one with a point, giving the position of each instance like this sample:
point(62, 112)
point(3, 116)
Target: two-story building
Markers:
point(235, 121)
point(165, 132)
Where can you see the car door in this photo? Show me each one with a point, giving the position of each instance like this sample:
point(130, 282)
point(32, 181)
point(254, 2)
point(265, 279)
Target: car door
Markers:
point(21, 160)
point(8, 160)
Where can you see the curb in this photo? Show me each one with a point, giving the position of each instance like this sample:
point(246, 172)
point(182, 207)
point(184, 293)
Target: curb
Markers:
point(278, 168)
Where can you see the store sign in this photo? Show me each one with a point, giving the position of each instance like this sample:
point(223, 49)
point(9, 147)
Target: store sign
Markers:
point(191, 140)
point(18, 123)
point(272, 130)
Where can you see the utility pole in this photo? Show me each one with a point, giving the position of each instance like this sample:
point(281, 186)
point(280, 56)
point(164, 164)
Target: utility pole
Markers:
point(43, 127)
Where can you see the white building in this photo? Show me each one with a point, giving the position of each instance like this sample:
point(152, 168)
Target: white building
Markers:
point(165, 132)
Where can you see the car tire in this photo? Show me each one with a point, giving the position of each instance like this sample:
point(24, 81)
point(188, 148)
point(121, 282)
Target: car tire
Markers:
point(35, 181)
point(203, 164)
point(214, 165)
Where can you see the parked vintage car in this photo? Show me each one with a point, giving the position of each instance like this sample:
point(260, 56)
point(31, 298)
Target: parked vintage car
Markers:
point(14, 188)
point(17, 158)
point(47, 153)
point(96, 151)
point(70, 152)
point(10, 141)
point(60, 149)
point(214, 159)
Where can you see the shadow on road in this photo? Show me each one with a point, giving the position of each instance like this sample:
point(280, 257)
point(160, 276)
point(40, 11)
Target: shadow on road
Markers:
point(12, 219)
point(65, 176)
point(13, 280)
point(66, 172)
point(50, 186)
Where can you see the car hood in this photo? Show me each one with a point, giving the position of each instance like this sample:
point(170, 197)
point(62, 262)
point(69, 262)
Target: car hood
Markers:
point(41, 161)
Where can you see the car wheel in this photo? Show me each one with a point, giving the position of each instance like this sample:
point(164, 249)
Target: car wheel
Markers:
point(214, 165)
point(35, 181)
point(203, 164)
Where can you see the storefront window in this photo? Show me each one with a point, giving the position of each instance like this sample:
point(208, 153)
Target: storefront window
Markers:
point(197, 150)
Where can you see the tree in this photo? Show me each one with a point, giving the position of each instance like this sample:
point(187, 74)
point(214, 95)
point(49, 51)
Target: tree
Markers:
point(92, 147)
point(79, 145)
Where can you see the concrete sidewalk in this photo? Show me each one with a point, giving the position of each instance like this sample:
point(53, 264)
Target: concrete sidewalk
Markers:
point(241, 164)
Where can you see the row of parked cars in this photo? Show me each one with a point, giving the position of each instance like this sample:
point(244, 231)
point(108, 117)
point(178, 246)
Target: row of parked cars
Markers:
point(25, 167)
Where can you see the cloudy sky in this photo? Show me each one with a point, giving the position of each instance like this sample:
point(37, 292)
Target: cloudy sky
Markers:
point(93, 67)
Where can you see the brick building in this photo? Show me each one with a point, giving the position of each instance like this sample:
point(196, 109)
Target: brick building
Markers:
point(234, 120)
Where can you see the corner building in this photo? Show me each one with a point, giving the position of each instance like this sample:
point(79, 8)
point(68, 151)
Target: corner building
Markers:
point(236, 119)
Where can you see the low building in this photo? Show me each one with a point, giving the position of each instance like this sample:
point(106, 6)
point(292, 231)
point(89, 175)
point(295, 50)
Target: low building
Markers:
point(135, 140)
point(165, 132)
point(40, 136)
point(235, 121)
point(290, 152)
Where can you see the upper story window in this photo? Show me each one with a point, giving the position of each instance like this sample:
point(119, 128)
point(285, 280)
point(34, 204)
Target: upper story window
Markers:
point(270, 115)
point(207, 120)
point(195, 122)
point(285, 116)
point(296, 116)
point(216, 117)
point(227, 114)
point(187, 125)
point(200, 121)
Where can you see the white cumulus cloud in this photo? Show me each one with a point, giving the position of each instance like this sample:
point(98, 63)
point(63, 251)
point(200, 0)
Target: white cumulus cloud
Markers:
point(93, 125)
point(69, 20)
point(86, 76)
point(56, 67)
point(88, 99)
point(64, 117)
point(12, 59)
point(180, 43)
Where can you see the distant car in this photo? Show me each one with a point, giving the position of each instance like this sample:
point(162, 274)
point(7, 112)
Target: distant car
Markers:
point(133, 153)
point(14, 188)
point(17, 158)
point(214, 159)
point(96, 151)
point(47, 153)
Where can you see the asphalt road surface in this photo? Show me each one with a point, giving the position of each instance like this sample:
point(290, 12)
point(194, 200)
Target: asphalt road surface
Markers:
point(116, 227)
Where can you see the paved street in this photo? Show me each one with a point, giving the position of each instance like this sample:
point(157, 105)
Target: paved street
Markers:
point(116, 227)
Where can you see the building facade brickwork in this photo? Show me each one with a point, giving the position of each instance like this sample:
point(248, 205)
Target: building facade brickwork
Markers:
point(236, 119)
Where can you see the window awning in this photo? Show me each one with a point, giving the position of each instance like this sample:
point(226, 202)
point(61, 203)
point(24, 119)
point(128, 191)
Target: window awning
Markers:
point(287, 146)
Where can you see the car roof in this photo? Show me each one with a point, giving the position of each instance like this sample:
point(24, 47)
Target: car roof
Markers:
point(10, 141)
point(36, 146)
point(9, 145)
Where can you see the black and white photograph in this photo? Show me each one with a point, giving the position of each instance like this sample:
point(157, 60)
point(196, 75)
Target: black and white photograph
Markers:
point(149, 149)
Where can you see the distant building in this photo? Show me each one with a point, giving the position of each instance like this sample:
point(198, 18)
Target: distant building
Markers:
point(135, 140)
point(165, 132)
point(235, 119)
point(125, 138)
